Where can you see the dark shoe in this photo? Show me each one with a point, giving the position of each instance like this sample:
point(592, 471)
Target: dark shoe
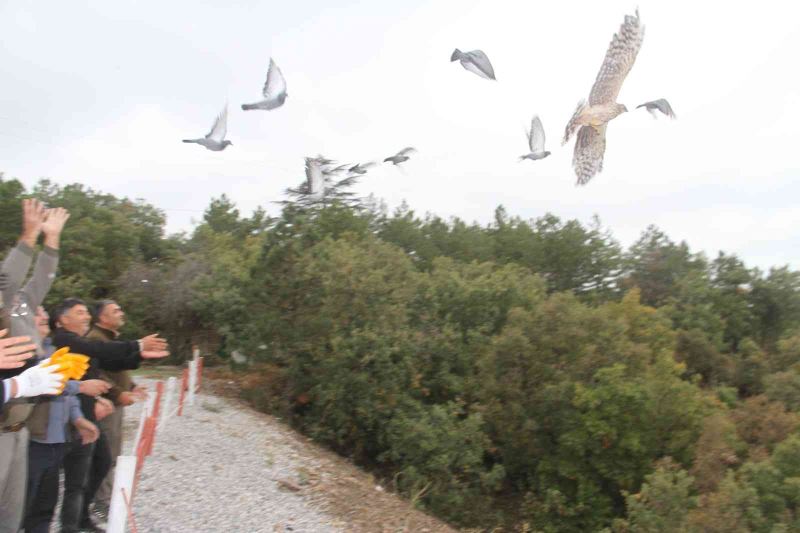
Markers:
point(100, 514)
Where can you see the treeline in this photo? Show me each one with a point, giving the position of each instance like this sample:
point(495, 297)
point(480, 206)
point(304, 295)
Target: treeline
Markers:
point(526, 373)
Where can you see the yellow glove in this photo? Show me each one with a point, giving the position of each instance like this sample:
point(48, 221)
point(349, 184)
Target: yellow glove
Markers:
point(71, 365)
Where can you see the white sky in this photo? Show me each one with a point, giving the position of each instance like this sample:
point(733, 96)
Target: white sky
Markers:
point(103, 92)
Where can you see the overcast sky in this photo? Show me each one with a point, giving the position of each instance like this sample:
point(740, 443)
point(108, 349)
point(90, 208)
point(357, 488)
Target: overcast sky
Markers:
point(102, 93)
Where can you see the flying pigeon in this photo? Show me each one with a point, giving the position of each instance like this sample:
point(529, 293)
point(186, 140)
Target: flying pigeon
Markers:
point(361, 168)
point(400, 156)
point(475, 62)
point(535, 141)
point(661, 104)
point(215, 139)
point(274, 90)
point(334, 171)
point(316, 181)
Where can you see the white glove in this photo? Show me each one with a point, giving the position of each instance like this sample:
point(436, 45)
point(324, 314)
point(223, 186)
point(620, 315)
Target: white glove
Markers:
point(39, 380)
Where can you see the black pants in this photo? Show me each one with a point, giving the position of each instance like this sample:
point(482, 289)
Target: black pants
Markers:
point(44, 462)
point(101, 464)
point(77, 463)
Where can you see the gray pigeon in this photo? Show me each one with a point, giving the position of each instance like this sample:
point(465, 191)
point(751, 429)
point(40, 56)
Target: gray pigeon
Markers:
point(535, 141)
point(274, 90)
point(334, 171)
point(475, 62)
point(361, 168)
point(661, 104)
point(215, 139)
point(400, 156)
point(316, 181)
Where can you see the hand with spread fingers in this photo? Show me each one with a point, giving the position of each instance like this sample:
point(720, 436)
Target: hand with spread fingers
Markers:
point(14, 351)
point(53, 225)
point(33, 215)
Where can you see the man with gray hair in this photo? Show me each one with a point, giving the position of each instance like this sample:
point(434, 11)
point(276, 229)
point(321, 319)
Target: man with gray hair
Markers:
point(108, 320)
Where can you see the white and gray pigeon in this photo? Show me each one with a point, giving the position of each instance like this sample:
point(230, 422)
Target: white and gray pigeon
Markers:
point(661, 105)
point(535, 141)
point(476, 62)
point(400, 156)
point(316, 180)
point(274, 90)
point(361, 168)
point(215, 139)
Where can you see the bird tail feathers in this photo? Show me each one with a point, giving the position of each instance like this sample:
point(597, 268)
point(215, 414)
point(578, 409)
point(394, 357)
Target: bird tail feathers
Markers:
point(456, 55)
point(190, 140)
point(572, 125)
point(248, 107)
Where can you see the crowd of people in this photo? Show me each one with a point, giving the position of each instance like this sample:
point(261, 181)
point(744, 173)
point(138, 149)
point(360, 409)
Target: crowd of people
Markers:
point(49, 424)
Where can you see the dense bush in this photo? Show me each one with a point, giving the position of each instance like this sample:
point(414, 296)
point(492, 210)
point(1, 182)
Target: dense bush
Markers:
point(531, 374)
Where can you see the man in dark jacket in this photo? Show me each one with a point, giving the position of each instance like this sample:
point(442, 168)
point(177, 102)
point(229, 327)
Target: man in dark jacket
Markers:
point(70, 322)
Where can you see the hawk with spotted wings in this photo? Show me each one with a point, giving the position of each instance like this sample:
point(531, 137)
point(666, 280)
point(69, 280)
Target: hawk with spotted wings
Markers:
point(593, 118)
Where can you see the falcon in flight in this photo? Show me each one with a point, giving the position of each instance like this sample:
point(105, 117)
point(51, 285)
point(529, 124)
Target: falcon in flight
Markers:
point(592, 118)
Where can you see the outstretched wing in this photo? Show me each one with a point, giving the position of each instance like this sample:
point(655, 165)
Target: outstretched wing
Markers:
point(276, 83)
point(480, 60)
point(220, 127)
point(664, 107)
point(590, 146)
point(536, 135)
point(618, 62)
point(406, 151)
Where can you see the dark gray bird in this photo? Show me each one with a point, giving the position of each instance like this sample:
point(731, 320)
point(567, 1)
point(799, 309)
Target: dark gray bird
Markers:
point(475, 62)
point(274, 90)
point(400, 156)
point(316, 180)
point(215, 139)
point(535, 141)
point(361, 168)
point(661, 105)
point(336, 170)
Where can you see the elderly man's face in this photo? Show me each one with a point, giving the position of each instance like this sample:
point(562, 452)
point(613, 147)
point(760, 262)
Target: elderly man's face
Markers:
point(42, 322)
point(76, 319)
point(111, 317)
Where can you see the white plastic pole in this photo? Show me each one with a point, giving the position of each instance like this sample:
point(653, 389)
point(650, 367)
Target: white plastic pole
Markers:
point(166, 407)
point(192, 380)
point(123, 479)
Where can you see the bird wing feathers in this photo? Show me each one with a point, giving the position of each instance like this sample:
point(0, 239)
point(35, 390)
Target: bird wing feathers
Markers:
point(590, 146)
point(220, 127)
point(483, 67)
point(315, 178)
point(276, 83)
point(618, 62)
point(406, 151)
point(664, 107)
point(536, 135)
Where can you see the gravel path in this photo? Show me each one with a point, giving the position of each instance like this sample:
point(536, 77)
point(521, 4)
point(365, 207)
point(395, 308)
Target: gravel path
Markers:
point(223, 468)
